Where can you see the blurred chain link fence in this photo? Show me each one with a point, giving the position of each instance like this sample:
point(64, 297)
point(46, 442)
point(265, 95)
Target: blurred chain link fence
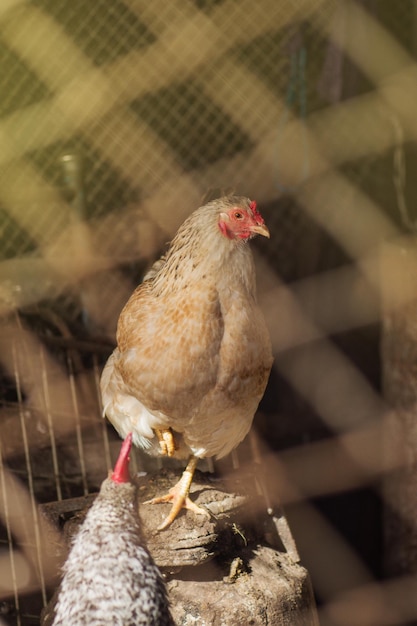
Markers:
point(117, 119)
point(125, 114)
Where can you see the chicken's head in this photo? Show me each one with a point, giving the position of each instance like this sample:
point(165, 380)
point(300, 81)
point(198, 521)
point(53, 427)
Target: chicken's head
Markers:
point(242, 222)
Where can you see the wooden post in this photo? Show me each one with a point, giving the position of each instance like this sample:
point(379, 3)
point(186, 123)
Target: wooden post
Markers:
point(399, 366)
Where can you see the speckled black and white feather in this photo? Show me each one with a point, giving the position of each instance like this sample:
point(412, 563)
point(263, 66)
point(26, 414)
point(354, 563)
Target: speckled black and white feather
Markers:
point(109, 576)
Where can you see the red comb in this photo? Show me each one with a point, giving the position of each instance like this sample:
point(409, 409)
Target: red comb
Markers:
point(258, 217)
point(121, 469)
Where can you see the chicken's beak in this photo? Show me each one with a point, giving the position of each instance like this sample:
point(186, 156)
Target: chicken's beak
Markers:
point(260, 229)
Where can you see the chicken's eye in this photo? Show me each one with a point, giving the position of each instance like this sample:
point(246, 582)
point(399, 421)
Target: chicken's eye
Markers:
point(238, 215)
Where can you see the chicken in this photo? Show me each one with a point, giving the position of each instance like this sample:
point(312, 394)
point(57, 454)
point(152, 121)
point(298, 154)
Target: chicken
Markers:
point(109, 576)
point(193, 353)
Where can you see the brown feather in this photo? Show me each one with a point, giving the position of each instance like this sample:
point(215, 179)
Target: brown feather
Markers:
point(193, 350)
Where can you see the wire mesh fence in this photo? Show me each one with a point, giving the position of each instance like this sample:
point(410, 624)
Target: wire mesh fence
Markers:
point(119, 118)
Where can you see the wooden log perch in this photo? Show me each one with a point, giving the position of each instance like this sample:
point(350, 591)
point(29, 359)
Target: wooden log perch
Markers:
point(218, 569)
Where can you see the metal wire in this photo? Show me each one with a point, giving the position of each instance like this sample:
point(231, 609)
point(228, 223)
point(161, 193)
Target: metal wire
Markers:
point(11, 548)
point(34, 512)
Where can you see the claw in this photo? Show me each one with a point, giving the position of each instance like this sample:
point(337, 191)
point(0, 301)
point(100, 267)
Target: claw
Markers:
point(178, 495)
point(178, 503)
point(166, 441)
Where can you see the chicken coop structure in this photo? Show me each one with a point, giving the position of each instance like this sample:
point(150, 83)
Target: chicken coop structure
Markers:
point(117, 119)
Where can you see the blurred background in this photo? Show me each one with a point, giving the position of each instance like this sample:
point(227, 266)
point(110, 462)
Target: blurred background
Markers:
point(117, 119)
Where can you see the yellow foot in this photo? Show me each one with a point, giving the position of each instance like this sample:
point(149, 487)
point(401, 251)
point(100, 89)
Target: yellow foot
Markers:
point(178, 502)
point(166, 441)
point(178, 495)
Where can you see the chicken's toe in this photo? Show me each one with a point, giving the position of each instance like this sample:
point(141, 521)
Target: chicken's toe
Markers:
point(178, 495)
point(166, 441)
point(178, 502)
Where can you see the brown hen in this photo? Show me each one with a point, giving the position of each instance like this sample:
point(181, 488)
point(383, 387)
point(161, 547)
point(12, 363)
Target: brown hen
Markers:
point(193, 354)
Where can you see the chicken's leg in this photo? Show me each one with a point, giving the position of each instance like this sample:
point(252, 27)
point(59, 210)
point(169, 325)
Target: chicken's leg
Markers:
point(178, 495)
